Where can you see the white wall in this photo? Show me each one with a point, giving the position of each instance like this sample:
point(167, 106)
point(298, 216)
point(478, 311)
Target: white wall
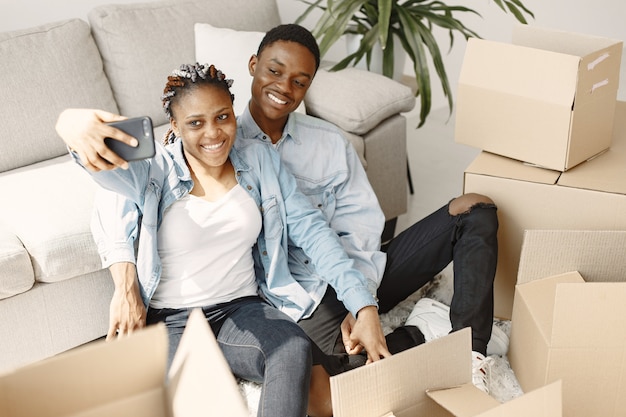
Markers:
point(598, 17)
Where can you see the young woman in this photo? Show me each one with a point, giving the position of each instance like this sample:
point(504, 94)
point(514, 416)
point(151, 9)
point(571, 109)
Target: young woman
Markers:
point(204, 206)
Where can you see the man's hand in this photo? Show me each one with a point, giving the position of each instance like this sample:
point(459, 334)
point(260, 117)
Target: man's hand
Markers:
point(127, 311)
point(84, 130)
point(365, 333)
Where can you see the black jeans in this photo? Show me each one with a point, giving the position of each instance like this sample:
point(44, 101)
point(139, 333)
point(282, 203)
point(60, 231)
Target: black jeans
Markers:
point(414, 258)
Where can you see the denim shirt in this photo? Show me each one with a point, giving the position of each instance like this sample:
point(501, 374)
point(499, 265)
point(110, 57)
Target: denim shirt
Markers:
point(151, 186)
point(335, 182)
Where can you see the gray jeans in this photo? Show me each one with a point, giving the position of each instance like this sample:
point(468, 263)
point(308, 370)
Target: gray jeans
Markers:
point(260, 344)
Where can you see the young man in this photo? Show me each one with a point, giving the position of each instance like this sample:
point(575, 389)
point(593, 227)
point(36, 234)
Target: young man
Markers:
point(329, 172)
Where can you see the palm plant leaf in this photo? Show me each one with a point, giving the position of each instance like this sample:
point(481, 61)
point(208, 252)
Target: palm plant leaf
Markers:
point(411, 22)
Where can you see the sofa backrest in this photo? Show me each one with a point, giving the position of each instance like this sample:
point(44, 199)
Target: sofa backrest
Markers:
point(43, 71)
point(142, 43)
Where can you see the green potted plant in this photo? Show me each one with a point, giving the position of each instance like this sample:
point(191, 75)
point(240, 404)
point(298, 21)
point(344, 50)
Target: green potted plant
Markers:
point(410, 21)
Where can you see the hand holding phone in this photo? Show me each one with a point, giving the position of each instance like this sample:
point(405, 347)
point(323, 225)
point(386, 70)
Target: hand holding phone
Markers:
point(141, 129)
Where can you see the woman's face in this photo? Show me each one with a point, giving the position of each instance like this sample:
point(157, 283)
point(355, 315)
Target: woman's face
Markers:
point(205, 121)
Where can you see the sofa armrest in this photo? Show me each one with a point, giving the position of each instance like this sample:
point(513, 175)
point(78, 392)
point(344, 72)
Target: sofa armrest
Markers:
point(356, 100)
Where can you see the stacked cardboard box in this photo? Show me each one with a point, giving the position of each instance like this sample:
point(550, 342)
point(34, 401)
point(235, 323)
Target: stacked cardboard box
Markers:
point(544, 112)
point(569, 319)
point(547, 98)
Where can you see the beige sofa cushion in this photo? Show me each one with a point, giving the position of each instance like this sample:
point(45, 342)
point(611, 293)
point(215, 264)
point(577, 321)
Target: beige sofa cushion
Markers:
point(51, 217)
point(40, 79)
point(128, 36)
point(374, 98)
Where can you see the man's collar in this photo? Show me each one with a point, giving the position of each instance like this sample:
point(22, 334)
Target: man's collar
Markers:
point(250, 129)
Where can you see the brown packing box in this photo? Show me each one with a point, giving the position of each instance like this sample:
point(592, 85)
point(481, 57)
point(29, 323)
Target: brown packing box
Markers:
point(567, 328)
point(127, 378)
point(590, 196)
point(548, 98)
point(431, 380)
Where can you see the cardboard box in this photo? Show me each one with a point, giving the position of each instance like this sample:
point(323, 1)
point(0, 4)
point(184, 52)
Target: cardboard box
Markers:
point(430, 380)
point(565, 328)
point(548, 98)
point(590, 196)
point(127, 378)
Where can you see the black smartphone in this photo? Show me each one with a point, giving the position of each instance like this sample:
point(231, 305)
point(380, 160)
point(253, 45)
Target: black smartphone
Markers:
point(141, 129)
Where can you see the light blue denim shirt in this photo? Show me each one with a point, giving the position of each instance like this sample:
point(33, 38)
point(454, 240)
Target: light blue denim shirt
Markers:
point(149, 187)
point(328, 171)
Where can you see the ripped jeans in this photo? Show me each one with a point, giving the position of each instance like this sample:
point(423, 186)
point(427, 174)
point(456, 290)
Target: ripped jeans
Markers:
point(416, 255)
point(414, 258)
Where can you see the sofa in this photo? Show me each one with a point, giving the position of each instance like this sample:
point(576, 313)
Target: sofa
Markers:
point(54, 293)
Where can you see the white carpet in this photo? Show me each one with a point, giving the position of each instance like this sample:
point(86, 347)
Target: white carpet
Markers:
point(503, 385)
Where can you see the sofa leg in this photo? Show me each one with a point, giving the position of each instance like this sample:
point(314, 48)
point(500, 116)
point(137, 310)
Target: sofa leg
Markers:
point(408, 174)
point(389, 230)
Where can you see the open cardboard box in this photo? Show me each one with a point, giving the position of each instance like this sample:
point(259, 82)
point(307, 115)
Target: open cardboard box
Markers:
point(127, 377)
point(431, 380)
point(566, 328)
point(590, 196)
point(547, 98)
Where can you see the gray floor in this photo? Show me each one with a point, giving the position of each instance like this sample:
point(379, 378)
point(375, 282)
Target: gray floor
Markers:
point(436, 163)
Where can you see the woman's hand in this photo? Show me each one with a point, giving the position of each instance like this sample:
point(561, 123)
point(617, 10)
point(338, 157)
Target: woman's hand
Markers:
point(84, 130)
point(127, 312)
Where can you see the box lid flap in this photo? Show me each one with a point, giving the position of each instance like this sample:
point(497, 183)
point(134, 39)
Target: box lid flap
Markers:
point(591, 314)
point(468, 401)
point(499, 166)
point(597, 255)
point(539, 296)
point(606, 172)
point(200, 380)
point(463, 401)
point(399, 383)
point(520, 71)
point(543, 402)
point(564, 42)
point(88, 376)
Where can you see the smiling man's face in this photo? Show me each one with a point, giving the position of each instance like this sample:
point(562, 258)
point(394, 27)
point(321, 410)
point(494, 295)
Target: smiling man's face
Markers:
point(282, 74)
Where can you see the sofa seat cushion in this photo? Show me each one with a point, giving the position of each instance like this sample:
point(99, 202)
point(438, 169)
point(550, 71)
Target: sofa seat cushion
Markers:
point(142, 43)
point(374, 98)
point(17, 272)
point(50, 214)
point(45, 70)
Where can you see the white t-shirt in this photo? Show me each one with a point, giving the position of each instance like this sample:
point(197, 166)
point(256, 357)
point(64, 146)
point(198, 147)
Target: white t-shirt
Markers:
point(206, 250)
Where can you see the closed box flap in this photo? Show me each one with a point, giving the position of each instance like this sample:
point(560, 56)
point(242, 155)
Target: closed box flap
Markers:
point(398, 384)
point(200, 380)
point(127, 377)
point(521, 71)
point(499, 166)
point(590, 315)
point(468, 401)
point(463, 401)
point(597, 74)
point(88, 377)
point(607, 171)
point(538, 296)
